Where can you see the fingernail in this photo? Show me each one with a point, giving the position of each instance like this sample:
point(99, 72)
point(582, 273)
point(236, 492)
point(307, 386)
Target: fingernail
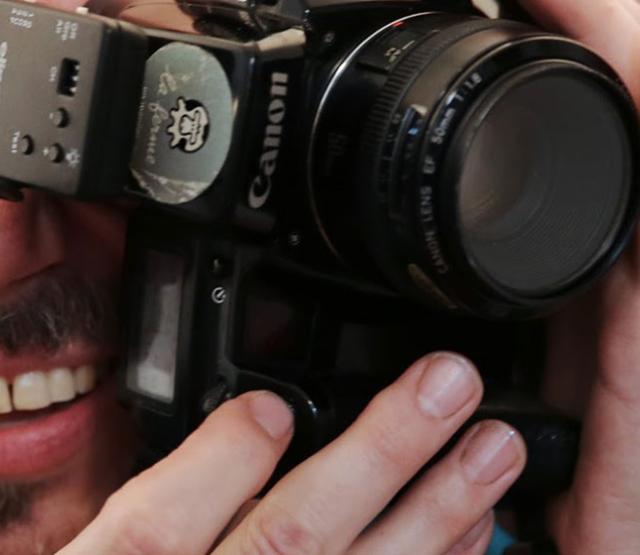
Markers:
point(447, 385)
point(272, 414)
point(491, 451)
point(472, 536)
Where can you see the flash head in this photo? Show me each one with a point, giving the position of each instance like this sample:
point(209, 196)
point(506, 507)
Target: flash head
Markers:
point(83, 78)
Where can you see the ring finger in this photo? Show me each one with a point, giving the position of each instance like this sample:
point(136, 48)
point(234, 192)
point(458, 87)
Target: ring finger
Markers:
point(456, 493)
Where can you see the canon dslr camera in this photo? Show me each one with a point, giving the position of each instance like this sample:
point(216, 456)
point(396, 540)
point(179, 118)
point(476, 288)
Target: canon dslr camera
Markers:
point(326, 191)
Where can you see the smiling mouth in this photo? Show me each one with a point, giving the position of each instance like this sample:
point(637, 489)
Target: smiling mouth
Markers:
point(52, 417)
point(37, 390)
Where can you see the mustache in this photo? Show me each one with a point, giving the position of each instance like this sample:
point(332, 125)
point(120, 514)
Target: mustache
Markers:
point(63, 308)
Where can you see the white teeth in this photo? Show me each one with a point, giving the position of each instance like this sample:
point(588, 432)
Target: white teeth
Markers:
point(5, 397)
point(85, 378)
point(31, 391)
point(61, 385)
point(38, 390)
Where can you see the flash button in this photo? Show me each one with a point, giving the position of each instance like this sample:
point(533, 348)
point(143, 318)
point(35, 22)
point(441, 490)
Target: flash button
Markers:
point(25, 146)
point(54, 153)
point(59, 117)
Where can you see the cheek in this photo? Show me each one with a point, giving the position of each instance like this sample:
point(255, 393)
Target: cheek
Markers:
point(95, 235)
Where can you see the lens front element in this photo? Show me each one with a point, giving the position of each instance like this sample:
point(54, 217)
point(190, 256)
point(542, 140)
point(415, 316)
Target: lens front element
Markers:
point(545, 179)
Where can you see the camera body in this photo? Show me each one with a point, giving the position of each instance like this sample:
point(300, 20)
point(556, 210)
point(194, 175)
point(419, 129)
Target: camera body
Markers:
point(326, 192)
point(274, 263)
point(345, 129)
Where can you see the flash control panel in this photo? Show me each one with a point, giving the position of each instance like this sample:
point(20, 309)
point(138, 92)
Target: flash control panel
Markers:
point(67, 93)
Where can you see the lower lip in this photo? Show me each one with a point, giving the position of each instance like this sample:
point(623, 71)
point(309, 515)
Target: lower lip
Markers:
point(35, 447)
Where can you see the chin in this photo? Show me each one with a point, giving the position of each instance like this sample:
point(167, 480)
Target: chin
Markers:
point(70, 458)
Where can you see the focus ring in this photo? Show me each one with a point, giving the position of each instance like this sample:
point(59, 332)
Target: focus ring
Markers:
point(376, 126)
point(374, 187)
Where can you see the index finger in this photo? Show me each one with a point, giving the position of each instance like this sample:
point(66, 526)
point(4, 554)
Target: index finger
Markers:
point(181, 504)
point(322, 505)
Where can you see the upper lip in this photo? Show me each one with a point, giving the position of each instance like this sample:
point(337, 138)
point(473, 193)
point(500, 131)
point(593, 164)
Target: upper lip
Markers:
point(72, 355)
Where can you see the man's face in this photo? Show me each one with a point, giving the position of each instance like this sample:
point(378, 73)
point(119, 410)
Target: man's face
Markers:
point(65, 444)
point(60, 264)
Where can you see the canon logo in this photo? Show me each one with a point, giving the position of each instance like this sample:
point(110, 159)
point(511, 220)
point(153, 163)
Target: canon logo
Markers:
point(260, 189)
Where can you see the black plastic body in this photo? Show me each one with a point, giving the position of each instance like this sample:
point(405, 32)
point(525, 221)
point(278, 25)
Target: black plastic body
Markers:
point(252, 319)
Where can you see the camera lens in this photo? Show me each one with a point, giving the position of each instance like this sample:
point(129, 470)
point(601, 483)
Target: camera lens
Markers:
point(481, 165)
point(544, 180)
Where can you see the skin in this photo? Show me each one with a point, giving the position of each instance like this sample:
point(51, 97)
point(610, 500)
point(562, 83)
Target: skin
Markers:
point(198, 500)
point(37, 237)
point(594, 344)
point(147, 13)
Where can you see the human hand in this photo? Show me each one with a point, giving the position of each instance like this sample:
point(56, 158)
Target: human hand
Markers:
point(186, 502)
point(594, 345)
point(162, 14)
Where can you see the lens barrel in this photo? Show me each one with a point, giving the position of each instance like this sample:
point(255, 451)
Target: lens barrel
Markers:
point(480, 165)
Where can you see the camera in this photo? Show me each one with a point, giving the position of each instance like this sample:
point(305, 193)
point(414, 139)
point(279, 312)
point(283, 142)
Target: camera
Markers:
point(326, 191)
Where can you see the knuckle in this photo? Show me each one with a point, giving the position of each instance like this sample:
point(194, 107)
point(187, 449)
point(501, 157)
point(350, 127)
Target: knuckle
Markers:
point(387, 441)
point(278, 533)
point(135, 532)
point(254, 453)
point(618, 390)
point(250, 448)
point(452, 503)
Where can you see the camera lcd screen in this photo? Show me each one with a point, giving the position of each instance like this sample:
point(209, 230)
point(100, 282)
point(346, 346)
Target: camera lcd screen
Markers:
point(151, 368)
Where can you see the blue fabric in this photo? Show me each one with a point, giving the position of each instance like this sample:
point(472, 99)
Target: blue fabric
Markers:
point(499, 542)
